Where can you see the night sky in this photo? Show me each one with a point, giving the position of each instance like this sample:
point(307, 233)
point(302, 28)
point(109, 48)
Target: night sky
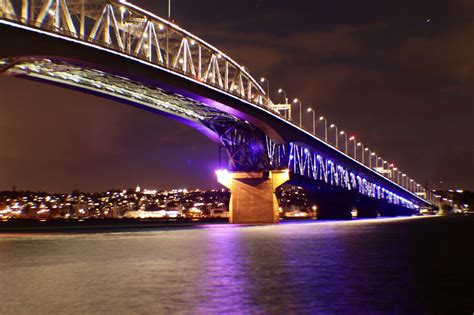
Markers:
point(397, 74)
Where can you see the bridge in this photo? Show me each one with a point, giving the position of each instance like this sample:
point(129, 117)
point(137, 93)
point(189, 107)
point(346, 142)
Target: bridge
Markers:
point(119, 51)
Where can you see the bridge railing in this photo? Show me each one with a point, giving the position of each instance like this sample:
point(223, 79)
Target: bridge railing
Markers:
point(127, 29)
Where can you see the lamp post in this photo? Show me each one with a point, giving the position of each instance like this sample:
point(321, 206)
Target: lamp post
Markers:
point(281, 91)
point(359, 144)
point(337, 135)
point(377, 162)
point(383, 166)
point(345, 135)
point(352, 138)
point(373, 154)
point(404, 180)
point(325, 128)
point(262, 80)
point(392, 172)
point(412, 188)
point(394, 169)
point(295, 101)
point(310, 110)
point(370, 158)
point(169, 10)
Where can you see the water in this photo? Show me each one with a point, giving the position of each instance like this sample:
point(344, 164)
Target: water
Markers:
point(410, 266)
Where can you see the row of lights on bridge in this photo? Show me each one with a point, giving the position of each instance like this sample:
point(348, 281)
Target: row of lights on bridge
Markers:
point(398, 176)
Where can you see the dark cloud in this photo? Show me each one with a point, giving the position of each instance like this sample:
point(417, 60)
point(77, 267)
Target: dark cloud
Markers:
point(445, 57)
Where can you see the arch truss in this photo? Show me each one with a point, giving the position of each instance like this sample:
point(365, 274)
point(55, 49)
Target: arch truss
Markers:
point(124, 28)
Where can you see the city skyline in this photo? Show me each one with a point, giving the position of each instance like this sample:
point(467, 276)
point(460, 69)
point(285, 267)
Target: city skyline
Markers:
point(344, 59)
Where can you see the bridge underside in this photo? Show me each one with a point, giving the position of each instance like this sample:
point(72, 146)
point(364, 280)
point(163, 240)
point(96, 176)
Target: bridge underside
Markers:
point(254, 157)
point(339, 203)
point(244, 143)
point(247, 132)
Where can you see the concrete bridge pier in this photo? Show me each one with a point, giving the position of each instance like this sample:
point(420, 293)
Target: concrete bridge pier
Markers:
point(392, 210)
point(402, 211)
point(333, 205)
point(388, 210)
point(253, 198)
point(368, 207)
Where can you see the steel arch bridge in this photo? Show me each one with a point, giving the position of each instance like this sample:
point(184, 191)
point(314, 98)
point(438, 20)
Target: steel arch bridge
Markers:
point(117, 50)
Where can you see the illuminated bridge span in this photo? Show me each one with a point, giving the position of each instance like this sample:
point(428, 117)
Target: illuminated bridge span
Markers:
point(117, 50)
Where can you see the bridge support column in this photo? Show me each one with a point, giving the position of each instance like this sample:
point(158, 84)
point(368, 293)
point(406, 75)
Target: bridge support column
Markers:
point(391, 210)
point(333, 205)
point(253, 198)
point(367, 208)
point(388, 210)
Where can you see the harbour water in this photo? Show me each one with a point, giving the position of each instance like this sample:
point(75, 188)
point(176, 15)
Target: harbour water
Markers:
point(394, 266)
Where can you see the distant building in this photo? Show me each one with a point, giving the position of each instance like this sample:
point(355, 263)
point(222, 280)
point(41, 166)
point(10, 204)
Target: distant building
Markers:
point(159, 214)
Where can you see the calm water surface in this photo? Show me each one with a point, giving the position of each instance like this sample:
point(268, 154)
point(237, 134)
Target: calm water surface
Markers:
point(410, 266)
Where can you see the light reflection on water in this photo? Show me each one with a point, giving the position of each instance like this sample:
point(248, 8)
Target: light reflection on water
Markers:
point(353, 267)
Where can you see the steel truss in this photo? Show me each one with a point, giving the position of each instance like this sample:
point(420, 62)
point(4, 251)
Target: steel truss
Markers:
point(124, 28)
point(248, 147)
point(310, 164)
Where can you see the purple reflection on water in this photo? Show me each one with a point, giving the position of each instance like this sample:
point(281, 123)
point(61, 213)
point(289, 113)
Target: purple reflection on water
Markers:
point(393, 266)
point(225, 276)
point(317, 267)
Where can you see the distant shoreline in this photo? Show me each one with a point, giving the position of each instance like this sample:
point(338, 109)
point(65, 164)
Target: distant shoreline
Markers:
point(119, 225)
point(106, 225)
point(61, 225)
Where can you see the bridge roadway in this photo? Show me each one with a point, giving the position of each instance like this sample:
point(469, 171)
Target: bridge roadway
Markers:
point(39, 54)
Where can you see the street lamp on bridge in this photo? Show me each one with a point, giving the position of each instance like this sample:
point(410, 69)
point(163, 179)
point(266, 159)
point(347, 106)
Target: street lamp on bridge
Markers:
point(169, 10)
point(383, 167)
point(325, 128)
point(262, 80)
point(281, 91)
point(337, 135)
point(345, 135)
point(371, 155)
point(394, 176)
point(310, 110)
point(297, 101)
point(359, 144)
point(352, 138)
point(370, 159)
point(404, 180)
